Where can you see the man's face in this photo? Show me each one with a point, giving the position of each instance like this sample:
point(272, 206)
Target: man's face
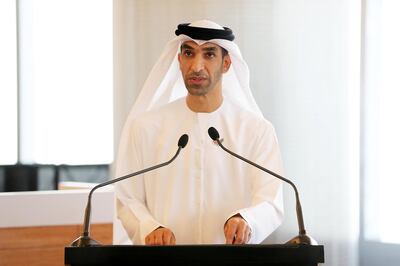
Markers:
point(202, 66)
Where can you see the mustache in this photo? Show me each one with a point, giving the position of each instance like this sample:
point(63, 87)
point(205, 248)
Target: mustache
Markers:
point(199, 74)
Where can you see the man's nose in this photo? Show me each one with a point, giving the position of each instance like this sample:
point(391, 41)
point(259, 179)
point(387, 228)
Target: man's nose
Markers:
point(197, 63)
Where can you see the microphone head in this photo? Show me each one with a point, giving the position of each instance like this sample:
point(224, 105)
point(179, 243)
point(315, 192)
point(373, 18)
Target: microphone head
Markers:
point(213, 133)
point(183, 140)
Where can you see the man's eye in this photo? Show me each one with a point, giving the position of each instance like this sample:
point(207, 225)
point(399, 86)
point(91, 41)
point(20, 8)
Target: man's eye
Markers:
point(187, 53)
point(210, 55)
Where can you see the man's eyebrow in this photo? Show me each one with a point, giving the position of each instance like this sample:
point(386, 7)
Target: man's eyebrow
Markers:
point(210, 49)
point(186, 46)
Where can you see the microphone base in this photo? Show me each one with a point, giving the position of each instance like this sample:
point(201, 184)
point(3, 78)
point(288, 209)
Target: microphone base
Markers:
point(85, 241)
point(302, 239)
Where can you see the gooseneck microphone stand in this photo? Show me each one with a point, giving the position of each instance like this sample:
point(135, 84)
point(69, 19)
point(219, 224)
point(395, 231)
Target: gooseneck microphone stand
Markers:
point(302, 237)
point(85, 240)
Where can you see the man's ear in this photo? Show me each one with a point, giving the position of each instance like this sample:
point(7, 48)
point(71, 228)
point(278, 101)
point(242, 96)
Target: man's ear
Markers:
point(226, 63)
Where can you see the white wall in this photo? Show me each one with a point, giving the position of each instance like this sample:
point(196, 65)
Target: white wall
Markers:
point(48, 208)
point(302, 75)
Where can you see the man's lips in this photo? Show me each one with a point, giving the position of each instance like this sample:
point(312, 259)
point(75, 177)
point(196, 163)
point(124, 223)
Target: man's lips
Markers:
point(197, 80)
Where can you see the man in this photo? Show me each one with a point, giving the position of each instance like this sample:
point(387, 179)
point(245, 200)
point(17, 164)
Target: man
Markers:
point(205, 195)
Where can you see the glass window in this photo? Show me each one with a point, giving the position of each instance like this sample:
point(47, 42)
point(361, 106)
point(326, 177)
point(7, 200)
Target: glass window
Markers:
point(66, 81)
point(8, 83)
point(382, 126)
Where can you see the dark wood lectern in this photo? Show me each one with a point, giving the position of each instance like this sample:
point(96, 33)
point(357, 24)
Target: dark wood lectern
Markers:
point(274, 255)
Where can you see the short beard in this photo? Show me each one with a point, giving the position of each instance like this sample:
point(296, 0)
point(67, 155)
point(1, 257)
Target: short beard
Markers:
point(197, 90)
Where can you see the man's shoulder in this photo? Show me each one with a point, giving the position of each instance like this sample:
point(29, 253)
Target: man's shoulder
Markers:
point(160, 113)
point(246, 116)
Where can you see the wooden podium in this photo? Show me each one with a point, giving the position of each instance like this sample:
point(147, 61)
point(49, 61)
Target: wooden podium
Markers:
point(240, 255)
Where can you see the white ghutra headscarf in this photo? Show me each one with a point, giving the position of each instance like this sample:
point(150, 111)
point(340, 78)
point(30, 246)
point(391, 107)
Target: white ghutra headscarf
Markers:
point(165, 83)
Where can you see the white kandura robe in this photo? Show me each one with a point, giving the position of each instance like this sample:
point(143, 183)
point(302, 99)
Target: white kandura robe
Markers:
point(196, 194)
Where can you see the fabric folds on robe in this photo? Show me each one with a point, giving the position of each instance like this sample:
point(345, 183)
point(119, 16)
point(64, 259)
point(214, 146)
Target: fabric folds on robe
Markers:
point(196, 194)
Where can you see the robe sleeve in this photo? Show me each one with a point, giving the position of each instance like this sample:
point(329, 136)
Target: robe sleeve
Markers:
point(266, 211)
point(130, 194)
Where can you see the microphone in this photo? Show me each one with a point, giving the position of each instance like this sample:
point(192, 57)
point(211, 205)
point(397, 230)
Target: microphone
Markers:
point(302, 238)
point(84, 240)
